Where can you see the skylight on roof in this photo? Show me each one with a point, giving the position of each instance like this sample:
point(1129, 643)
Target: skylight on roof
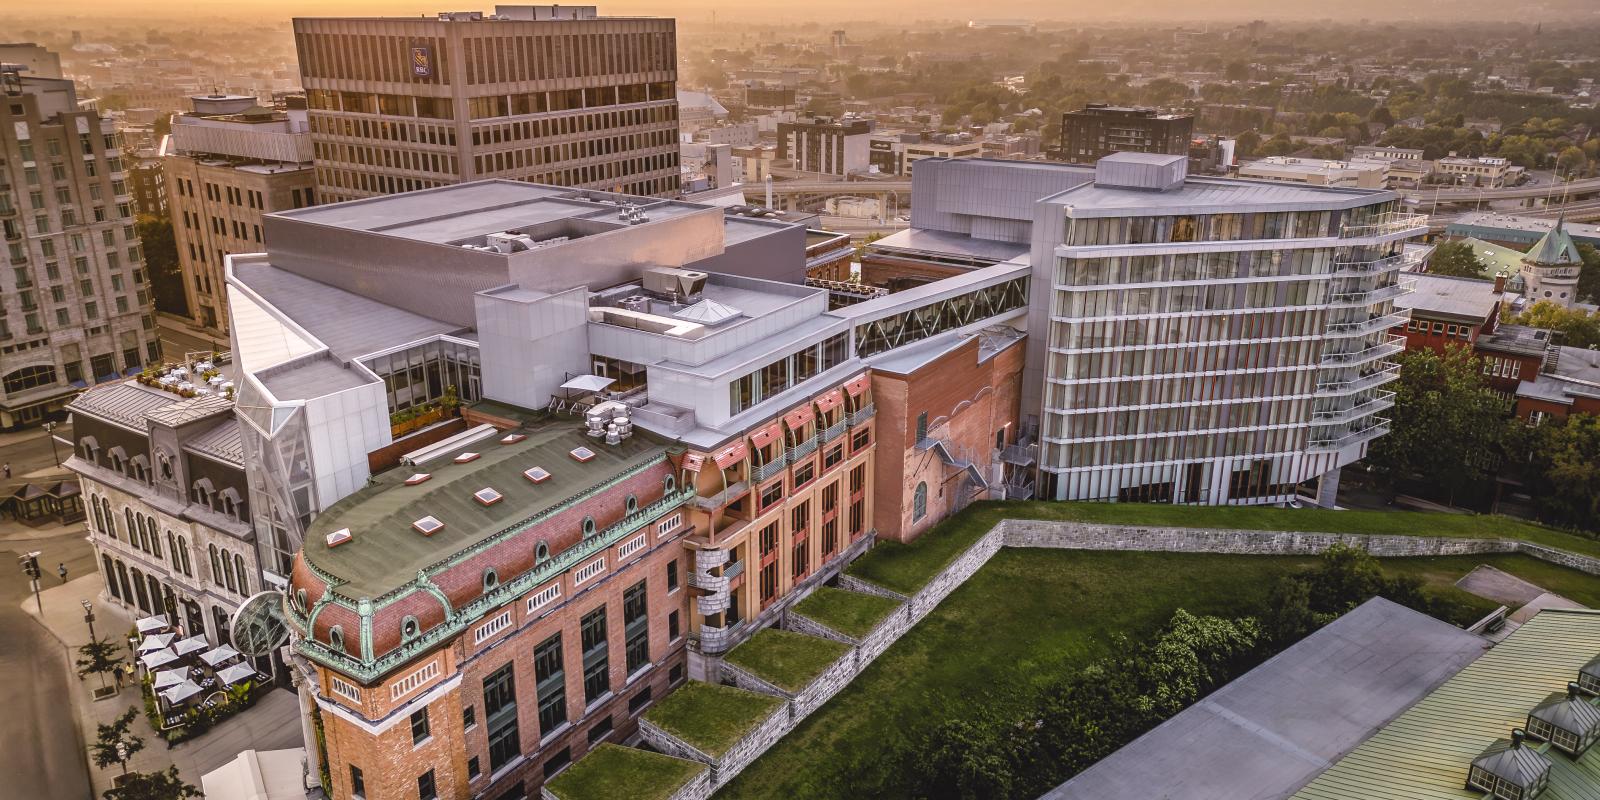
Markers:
point(339, 537)
point(581, 453)
point(465, 457)
point(536, 474)
point(418, 477)
point(487, 496)
point(428, 526)
point(513, 438)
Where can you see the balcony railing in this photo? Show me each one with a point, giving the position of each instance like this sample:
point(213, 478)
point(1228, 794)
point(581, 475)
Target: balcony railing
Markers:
point(862, 414)
point(1373, 431)
point(1351, 269)
point(834, 431)
point(723, 497)
point(1384, 225)
point(803, 449)
point(733, 570)
point(1377, 378)
point(1391, 345)
point(1366, 298)
point(1379, 402)
point(768, 470)
point(1374, 322)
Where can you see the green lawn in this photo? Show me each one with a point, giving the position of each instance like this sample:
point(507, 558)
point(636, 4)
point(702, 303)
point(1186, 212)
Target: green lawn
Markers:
point(851, 613)
point(611, 771)
point(1031, 614)
point(711, 717)
point(786, 659)
point(906, 568)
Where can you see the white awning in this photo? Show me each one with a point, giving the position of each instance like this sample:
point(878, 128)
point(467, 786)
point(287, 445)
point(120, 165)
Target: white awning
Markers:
point(588, 383)
point(158, 658)
point(155, 623)
point(170, 677)
point(181, 692)
point(157, 641)
point(219, 655)
point(236, 673)
point(193, 644)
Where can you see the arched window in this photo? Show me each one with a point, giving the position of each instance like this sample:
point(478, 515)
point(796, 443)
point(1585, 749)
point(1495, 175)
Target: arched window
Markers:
point(111, 574)
point(671, 484)
point(138, 589)
point(183, 552)
point(238, 567)
point(172, 547)
point(216, 566)
point(227, 573)
point(89, 447)
point(94, 506)
point(632, 504)
point(919, 502)
point(164, 463)
point(133, 533)
point(588, 526)
point(491, 579)
point(336, 638)
point(300, 599)
point(155, 536)
point(541, 553)
point(409, 628)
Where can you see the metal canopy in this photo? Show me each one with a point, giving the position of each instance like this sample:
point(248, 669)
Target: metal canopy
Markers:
point(588, 383)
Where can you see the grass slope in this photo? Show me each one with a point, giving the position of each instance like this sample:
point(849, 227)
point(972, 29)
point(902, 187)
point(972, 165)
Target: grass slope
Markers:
point(786, 659)
point(712, 718)
point(611, 771)
point(851, 613)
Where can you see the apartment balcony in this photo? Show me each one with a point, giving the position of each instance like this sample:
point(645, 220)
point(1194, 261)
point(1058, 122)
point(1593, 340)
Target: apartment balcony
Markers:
point(1379, 402)
point(1387, 373)
point(1387, 224)
point(1355, 269)
point(1379, 427)
point(800, 451)
point(722, 498)
point(834, 431)
point(1368, 297)
point(765, 471)
point(862, 414)
point(1372, 324)
point(1391, 345)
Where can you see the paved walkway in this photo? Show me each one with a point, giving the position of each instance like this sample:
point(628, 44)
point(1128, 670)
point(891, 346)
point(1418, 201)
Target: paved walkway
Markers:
point(272, 724)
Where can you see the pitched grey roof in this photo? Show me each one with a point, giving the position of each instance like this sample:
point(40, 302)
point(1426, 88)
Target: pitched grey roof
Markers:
point(124, 403)
point(190, 409)
point(223, 443)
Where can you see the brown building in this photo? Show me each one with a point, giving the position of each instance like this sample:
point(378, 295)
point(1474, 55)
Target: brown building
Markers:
point(550, 94)
point(948, 429)
point(1097, 130)
point(828, 255)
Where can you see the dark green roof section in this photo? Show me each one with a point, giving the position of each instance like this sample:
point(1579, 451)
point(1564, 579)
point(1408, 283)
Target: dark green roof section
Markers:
point(612, 771)
point(786, 659)
point(386, 552)
point(1555, 248)
point(710, 717)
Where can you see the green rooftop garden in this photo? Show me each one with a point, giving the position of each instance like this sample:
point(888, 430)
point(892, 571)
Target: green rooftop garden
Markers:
point(786, 659)
point(1009, 642)
point(906, 568)
point(611, 771)
point(712, 718)
point(851, 613)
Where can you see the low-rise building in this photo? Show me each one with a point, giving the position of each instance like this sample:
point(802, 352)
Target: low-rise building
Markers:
point(1098, 130)
point(826, 145)
point(1318, 172)
point(1490, 172)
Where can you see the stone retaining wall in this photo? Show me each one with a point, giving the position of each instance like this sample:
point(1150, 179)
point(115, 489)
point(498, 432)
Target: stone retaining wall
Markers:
point(737, 757)
point(698, 788)
point(749, 681)
point(822, 688)
point(799, 623)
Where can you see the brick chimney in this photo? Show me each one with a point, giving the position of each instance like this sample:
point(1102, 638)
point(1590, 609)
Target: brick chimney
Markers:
point(1499, 282)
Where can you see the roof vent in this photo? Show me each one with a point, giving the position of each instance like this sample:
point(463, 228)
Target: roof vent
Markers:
point(1508, 770)
point(339, 537)
point(1567, 721)
point(581, 454)
point(465, 457)
point(513, 438)
point(1152, 172)
point(428, 526)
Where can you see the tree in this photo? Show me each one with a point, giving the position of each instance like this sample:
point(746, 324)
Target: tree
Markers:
point(1347, 577)
point(161, 261)
point(967, 757)
point(1444, 420)
point(1579, 328)
point(1589, 275)
point(1288, 615)
point(167, 785)
point(97, 658)
point(1455, 259)
point(1572, 162)
point(114, 744)
point(1559, 464)
point(1381, 115)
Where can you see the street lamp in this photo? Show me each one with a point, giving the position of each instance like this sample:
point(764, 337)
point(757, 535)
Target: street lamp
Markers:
point(88, 617)
point(49, 431)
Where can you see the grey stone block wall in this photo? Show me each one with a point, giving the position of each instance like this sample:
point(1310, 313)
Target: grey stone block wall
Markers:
point(956, 574)
point(824, 686)
point(698, 788)
point(751, 746)
point(670, 744)
point(750, 682)
point(800, 623)
point(888, 631)
point(855, 584)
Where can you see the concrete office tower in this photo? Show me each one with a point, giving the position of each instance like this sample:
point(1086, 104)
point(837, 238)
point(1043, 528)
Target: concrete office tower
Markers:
point(228, 162)
point(74, 304)
point(549, 94)
point(1203, 340)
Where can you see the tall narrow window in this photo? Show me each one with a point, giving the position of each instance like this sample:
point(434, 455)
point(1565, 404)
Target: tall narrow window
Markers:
point(596, 661)
point(551, 675)
point(636, 627)
point(500, 717)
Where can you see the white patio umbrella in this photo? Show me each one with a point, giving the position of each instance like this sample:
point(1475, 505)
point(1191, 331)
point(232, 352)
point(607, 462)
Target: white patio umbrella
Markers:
point(191, 645)
point(170, 677)
point(178, 693)
point(588, 383)
point(156, 641)
point(219, 655)
point(157, 658)
point(155, 623)
point(236, 673)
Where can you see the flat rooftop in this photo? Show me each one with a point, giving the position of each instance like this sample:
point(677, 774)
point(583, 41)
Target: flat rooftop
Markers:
point(1446, 294)
point(387, 551)
point(926, 241)
point(1273, 729)
point(1538, 225)
point(1213, 195)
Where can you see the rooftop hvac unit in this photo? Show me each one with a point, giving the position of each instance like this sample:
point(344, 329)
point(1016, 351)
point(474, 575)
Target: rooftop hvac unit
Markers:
point(509, 242)
point(679, 284)
point(636, 302)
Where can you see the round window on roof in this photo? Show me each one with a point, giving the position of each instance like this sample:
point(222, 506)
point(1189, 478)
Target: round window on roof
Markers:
point(633, 504)
point(541, 553)
point(409, 628)
point(671, 484)
point(588, 526)
point(300, 599)
point(491, 579)
point(336, 637)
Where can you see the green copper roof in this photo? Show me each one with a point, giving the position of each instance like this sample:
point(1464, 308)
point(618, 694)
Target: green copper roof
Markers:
point(386, 551)
point(1494, 258)
point(1555, 248)
point(1425, 752)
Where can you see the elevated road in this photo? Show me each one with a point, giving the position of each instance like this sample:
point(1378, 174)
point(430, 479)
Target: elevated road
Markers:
point(1552, 190)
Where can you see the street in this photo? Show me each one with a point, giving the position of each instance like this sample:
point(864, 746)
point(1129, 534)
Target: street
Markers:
point(44, 756)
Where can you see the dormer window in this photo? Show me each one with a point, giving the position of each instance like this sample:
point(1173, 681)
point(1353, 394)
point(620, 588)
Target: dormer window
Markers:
point(588, 527)
point(164, 463)
point(1589, 676)
point(409, 628)
point(1510, 770)
point(632, 504)
point(1566, 720)
point(300, 600)
point(491, 579)
point(541, 553)
point(89, 447)
point(336, 638)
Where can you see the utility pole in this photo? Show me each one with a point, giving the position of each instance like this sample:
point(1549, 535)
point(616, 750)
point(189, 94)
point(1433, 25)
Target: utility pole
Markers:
point(30, 567)
point(88, 616)
point(49, 432)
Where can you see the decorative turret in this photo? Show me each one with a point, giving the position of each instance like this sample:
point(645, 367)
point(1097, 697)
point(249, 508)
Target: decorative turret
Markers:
point(1552, 267)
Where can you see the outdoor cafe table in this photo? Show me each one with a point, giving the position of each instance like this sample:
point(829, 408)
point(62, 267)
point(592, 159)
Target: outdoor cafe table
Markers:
point(155, 623)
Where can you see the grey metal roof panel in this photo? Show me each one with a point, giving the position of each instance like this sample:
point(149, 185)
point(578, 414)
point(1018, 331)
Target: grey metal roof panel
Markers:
point(311, 377)
point(1445, 294)
point(1276, 727)
point(1211, 195)
point(192, 409)
point(124, 403)
point(923, 240)
point(225, 442)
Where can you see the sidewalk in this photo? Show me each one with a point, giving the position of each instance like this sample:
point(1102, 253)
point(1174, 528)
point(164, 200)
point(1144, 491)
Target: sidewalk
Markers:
point(272, 724)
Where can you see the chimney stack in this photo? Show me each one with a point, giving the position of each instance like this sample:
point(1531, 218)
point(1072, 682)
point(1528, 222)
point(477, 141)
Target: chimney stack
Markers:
point(1499, 282)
